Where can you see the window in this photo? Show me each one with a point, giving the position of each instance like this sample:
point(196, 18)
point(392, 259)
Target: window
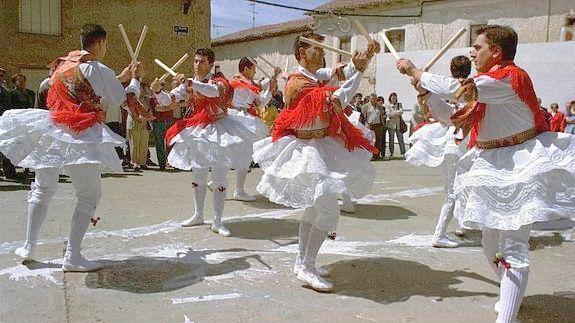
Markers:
point(344, 44)
point(40, 17)
point(397, 39)
point(473, 32)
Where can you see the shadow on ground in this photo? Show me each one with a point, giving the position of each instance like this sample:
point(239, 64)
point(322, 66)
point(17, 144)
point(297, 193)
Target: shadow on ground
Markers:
point(121, 175)
point(379, 212)
point(559, 307)
point(261, 202)
point(161, 274)
point(264, 229)
point(389, 280)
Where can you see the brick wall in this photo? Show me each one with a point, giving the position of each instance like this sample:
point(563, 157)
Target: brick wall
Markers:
point(21, 50)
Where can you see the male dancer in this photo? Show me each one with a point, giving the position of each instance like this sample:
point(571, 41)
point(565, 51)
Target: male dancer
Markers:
point(248, 97)
point(435, 145)
point(516, 172)
point(70, 137)
point(209, 138)
point(315, 153)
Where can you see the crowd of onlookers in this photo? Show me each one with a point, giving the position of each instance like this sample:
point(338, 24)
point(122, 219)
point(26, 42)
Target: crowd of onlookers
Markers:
point(384, 118)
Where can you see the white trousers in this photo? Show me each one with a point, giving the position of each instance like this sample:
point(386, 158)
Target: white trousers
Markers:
point(85, 179)
point(513, 245)
point(219, 177)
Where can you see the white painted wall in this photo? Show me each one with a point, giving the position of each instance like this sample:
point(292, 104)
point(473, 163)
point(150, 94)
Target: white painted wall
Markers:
point(550, 65)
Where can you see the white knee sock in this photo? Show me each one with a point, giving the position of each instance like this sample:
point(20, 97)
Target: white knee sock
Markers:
point(36, 215)
point(80, 222)
point(444, 217)
point(513, 286)
point(315, 239)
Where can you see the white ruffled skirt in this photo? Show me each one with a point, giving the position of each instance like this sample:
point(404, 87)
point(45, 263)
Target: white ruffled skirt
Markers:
point(297, 171)
point(30, 139)
point(226, 143)
point(431, 144)
point(506, 188)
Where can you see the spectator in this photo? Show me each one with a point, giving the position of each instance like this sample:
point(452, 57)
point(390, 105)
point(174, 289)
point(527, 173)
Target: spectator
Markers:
point(394, 110)
point(570, 119)
point(4, 92)
point(21, 97)
point(355, 103)
point(43, 91)
point(271, 111)
point(375, 119)
point(4, 105)
point(138, 130)
point(164, 119)
point(558, 119)
point(418, 114)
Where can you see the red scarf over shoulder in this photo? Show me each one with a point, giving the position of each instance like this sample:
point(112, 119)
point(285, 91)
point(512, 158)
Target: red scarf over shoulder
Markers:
point(71, 99)
point(205, 109)
point(522, 85)
point(306, 102)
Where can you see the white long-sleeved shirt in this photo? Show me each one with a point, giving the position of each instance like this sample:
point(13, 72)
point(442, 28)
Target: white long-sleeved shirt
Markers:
point(244, 97)
point(107, 86)
point(505, 113)
point(180, 93)
point(346, 91)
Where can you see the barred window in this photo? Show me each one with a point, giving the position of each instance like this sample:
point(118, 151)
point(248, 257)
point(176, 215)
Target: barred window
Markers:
point(397, 39)
point(344, 44)
point(40, 17)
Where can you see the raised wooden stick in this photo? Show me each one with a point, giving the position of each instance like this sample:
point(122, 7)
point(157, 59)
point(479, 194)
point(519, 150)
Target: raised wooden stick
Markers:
point(331, 48)
point(445, 48)
point(178, 63)
point(165, 67)
point(140, 42)
point(363, 31)
point(389, 45)
point(266, 74)
point(287, 65)
point(267, 62)
point(126, 40)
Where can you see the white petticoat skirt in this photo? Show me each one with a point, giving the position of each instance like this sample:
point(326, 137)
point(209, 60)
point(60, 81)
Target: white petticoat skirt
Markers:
point(226, 143)
point(297, 171)
point(431, 144)
point(506, 188)
point(30, 139)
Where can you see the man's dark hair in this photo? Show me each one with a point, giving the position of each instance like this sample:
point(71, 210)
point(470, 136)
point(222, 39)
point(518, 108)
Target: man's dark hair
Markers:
point(90, 33)
point(244, 63)
point(502, 36)
point(381, 99)
point(358, 95)
point(300, 44)
point(460, 66)
point(207, 52)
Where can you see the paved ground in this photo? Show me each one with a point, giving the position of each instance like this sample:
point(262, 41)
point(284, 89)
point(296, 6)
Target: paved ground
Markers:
point(383, 267)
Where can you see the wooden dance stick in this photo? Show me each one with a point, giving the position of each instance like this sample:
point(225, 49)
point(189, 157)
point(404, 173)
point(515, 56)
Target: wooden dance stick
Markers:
point(140, 42)
point(363, 31)
point(389, 46)
point(178, 63)
point(444, 49)
point(126, 40)
point(324, 46)
point(287, 65)
point(266, 74)
point(267, 62)
point(165, 67)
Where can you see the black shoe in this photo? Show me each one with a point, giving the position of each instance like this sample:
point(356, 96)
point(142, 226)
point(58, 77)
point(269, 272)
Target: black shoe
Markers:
point(137, 169)
point(149, 162)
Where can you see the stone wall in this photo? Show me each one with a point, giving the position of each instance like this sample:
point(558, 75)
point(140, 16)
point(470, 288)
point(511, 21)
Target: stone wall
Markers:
point(24, 51)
